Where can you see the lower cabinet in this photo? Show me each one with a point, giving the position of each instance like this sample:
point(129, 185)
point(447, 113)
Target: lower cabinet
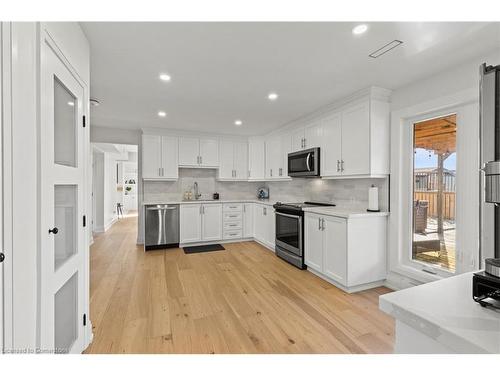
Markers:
point(264, 224)
point(248, 209)
point(200, 222)
point(350, 252)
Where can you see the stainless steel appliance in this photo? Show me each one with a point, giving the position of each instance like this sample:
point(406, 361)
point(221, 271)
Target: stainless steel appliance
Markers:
point(304, 163)
point(289, 243)
point(161, 226)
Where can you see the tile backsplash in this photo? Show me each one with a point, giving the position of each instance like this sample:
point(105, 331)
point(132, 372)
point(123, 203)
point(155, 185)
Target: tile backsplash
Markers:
point(349, 190)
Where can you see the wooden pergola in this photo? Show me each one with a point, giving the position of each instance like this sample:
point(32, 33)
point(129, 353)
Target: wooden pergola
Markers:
point(438, 136)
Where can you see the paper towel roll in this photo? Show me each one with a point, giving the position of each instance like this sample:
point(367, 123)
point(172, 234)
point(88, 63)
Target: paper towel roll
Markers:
point(373, 198)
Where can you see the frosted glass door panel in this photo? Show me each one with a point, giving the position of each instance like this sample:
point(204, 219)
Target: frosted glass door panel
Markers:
point(65, 211)
point(65, 123)
point(66, 311)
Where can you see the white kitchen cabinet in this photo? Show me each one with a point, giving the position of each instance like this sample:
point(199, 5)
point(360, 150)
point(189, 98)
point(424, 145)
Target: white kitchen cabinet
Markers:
point(159, 157)
point(200, 222)
point(190, 223)
point(351, 253)
point(306, 137)
point(248, 223)
point(198, 152)
point(277, 149)
point(211, 222)
point(233, 160)
point(331, 146)
point(356, 140)
point(264, 225)
point(256, 159)
point(259, 223)
point(313, 240)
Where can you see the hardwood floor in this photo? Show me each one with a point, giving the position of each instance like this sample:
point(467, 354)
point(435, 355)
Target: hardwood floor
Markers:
point(241, 300)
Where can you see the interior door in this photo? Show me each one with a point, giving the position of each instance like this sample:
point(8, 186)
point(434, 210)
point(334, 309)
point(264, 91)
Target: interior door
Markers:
point(62, 234)
point(331, 146)
point(211, 222)
point(356, 140)
point(151, 156)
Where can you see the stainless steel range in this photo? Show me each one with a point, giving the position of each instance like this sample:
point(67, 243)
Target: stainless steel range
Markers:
point(290, 231)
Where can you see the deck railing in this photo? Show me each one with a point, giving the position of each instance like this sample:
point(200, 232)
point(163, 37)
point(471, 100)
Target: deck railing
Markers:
point(431, 197)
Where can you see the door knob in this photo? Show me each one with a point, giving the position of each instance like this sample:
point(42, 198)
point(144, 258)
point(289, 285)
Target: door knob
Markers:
point(2, 257)
point(54, 230)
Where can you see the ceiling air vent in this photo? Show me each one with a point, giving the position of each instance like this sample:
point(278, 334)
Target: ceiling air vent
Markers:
point(385, 48)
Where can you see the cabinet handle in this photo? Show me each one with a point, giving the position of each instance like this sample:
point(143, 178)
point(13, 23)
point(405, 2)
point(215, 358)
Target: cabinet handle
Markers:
point(271, 171)
point(264, 210)
point(342, 165)
point(244, 208)
point(305, 142)
point(201, 159)
point(249, 173)
point(281, 171)
point(200, 210)
point(322, 224)
point(159, 172)
point(319, 223)
point(338, 165)
point(162, 172)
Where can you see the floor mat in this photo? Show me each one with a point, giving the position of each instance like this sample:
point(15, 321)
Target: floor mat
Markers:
point(202, 248)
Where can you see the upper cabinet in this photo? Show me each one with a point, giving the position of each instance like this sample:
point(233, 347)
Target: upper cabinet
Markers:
point(159, 157)
point(355, 141)
point(198, 152)
point(277, 149)
point(233, 160)
point(306, 137)
point(256, 159)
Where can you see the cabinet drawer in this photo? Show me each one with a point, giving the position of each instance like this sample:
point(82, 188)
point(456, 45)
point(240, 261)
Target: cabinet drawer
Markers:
point(232, 216)
point(229, 234)
point(233, 207)
point(233, 225)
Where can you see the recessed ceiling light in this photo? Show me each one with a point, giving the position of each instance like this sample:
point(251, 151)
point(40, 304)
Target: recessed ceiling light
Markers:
point(238, 123)
point(272, 96)
point(71, 104)
point(165, 77)
point(162, 113)
point(360, 29)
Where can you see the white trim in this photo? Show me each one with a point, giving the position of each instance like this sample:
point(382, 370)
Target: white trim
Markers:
point(353, 289)
point(397, 228)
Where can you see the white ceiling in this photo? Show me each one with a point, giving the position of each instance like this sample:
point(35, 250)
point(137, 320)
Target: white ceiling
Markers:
point(223, 71)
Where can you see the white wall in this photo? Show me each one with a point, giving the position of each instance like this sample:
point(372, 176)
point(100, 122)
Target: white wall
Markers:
point(98, 191)
point(458, 86)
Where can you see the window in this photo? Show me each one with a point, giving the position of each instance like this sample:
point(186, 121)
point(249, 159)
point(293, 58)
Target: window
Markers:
point(434, 192)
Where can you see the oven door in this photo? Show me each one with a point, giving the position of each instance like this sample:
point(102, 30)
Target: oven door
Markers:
point(304, 163)
point(289, 232)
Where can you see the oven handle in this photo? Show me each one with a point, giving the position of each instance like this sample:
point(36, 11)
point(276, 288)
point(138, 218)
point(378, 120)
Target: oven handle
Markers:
point(307, 161)
point(288, 215)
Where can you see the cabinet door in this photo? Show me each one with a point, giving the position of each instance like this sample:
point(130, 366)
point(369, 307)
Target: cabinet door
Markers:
point(259, 224)
point(335, 249)
point(313, 135)
point(331, 147)
point(256, 159)
point(240, 160)
point(189, 151)
point(209, 152)
point(226, 166)
point(286, 148)
point(151, 156)
point(274, 157)
point(313, 242)
point(190, 226)
point(297, 140)
point(248, 220)
point(356, 140)
point(170, 157)
point(211, 222)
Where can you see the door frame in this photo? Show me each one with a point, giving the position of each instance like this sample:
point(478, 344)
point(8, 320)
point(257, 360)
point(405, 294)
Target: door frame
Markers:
point(401, 139)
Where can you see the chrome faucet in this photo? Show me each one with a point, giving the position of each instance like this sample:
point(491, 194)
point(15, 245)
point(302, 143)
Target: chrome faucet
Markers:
point(197, 194)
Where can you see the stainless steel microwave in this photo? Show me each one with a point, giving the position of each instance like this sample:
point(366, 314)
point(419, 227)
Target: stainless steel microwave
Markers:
point(304, 163)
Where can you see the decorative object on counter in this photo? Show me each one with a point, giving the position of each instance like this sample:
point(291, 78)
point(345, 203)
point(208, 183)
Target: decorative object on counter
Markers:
point(263, 193)
point(373, 199)
point(216, 196)
point(188, 195)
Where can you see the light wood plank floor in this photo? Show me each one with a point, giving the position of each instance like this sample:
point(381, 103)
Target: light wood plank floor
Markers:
point(241, 300)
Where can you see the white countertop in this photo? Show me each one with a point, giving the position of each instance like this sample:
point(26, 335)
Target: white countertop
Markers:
point(208, 201)
point(445, 311)
point(345, 212)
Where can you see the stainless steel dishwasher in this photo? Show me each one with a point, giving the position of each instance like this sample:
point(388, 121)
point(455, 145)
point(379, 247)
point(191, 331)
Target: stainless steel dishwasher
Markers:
point(161, 226)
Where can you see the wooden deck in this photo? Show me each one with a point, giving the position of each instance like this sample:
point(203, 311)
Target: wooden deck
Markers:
point(445, 256)
point(241, 300)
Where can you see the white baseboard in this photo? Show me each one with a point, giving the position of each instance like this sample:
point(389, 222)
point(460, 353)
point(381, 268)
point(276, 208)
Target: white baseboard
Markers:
point(397, 281)
point(352, 289)
point(110, 224)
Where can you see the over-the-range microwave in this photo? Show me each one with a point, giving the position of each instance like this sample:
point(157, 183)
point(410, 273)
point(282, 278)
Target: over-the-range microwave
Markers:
point(304, 163)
